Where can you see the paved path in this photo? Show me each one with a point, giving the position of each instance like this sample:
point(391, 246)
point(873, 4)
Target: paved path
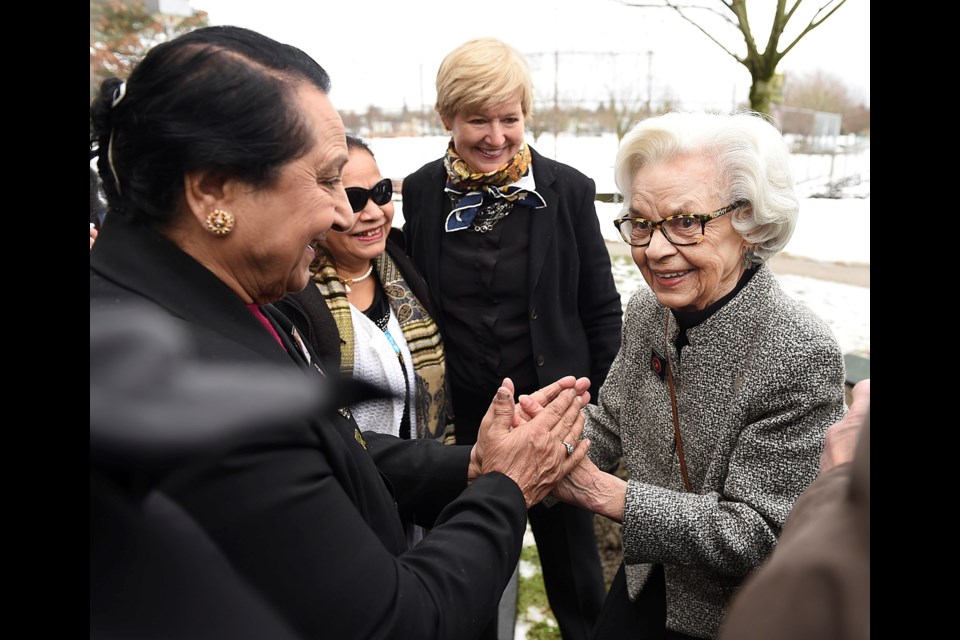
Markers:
point(855, 274)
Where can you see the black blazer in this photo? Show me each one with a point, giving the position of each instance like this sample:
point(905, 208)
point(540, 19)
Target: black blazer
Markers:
point(309, 513)
point(574, 307)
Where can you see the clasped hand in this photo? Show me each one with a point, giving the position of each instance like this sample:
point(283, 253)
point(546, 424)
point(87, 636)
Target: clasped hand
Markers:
point(530, 449)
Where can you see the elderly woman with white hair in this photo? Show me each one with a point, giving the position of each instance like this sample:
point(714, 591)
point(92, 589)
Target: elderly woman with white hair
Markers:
point(723, 387)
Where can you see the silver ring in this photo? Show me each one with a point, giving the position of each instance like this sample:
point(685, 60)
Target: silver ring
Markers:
point(568, 446)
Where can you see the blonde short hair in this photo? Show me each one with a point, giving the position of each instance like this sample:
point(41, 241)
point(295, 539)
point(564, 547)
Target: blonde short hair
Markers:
point(482, 73)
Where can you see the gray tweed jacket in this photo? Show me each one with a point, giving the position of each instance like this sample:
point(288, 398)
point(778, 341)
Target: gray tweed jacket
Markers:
point(758, 384)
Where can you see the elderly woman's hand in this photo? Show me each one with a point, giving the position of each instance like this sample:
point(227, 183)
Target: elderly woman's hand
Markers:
point(586, 486)
point(541, 398)
point(590, 488)
point(532, 454)
point(93, 234)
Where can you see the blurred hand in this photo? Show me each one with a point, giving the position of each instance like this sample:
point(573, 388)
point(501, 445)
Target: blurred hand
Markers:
point(93, 234)
point(531, 453)
point(840, 441)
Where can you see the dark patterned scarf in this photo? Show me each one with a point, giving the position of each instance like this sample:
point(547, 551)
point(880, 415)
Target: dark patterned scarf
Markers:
point(419, 330)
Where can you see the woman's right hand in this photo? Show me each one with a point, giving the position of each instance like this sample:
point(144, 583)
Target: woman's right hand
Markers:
point(532, 454)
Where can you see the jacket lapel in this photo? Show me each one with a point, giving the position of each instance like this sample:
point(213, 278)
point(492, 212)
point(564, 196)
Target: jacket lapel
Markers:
point(437, 205)
point(543, 222)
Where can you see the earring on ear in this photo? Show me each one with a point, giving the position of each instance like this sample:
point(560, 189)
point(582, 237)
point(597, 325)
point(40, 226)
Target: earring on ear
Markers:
point(220, 222)
point(748, 254)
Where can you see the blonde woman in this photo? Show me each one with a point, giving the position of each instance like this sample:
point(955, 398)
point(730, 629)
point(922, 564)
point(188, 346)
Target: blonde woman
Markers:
point(510, 246)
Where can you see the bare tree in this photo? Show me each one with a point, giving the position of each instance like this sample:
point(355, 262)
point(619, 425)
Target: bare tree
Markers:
point(819, 90)
point(537, 124)
point(762, 65)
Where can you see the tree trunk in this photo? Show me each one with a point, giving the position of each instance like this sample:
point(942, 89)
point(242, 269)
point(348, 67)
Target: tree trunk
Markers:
point(760, 92)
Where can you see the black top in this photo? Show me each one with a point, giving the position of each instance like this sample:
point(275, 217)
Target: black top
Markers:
point(572, 306)
point(484, 292)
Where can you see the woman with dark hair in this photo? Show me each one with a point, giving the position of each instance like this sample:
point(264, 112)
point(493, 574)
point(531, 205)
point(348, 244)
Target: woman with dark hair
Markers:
point(368, 305)
point(222, 161)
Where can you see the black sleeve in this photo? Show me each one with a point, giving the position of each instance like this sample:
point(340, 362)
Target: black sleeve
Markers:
point(291, 525)
point(425, 487)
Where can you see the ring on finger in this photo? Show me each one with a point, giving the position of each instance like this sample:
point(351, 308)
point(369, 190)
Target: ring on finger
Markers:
point(569, 447)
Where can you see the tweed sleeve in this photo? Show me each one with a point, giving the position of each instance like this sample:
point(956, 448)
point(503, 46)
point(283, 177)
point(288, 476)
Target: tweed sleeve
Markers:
point(756, 391)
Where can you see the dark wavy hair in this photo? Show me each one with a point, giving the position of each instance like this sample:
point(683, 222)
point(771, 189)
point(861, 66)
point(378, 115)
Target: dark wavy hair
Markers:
point(356, 142)
point(218, 99)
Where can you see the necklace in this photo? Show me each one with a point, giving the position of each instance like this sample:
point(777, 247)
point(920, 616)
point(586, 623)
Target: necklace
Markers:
point(346, 282)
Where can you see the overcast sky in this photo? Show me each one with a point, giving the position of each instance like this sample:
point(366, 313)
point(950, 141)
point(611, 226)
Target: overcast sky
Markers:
point(386, 52)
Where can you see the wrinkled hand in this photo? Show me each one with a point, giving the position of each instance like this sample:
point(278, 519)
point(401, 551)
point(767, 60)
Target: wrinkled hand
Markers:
point(532, 454)
point(586, 486)
point(530, 405)
point(543, 397)
point(840, 441)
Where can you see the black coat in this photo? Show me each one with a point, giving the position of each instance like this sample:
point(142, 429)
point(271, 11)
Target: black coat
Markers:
point(574, 307)
point(308, 514)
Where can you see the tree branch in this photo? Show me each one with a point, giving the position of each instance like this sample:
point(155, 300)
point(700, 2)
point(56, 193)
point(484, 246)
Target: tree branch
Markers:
point(814, 23)
point(679, 9)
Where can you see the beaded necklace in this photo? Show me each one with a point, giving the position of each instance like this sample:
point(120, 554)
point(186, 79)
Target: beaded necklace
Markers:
point(346, 282)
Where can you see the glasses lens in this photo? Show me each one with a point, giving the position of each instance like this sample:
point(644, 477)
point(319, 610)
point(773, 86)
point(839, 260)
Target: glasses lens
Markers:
point(382, 191)
point(381, 194)
point(357, 197)
point(683, 229)
point(635, 232)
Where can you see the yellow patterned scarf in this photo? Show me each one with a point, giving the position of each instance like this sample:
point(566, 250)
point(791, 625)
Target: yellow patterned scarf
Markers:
point(513, 182)
point(419, 330)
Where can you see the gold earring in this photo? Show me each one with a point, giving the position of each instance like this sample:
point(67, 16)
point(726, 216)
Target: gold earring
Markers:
point(220, 222)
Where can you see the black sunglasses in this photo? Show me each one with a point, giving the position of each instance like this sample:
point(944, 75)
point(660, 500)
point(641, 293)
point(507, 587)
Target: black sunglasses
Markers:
point(380, 194)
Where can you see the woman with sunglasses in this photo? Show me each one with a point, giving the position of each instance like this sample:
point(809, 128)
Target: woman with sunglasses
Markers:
point(368, 311)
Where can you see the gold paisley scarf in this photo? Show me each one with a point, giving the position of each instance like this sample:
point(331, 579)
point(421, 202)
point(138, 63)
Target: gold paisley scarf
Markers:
point(512, 182)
